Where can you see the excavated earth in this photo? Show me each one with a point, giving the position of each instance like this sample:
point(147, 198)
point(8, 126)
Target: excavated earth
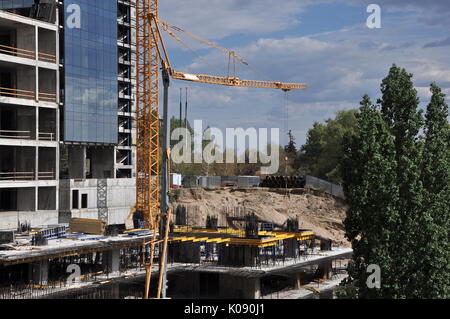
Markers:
point(314, 210)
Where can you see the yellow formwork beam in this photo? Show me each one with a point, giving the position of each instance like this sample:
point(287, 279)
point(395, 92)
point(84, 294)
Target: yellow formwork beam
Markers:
point(200, 239)
point(275, 237)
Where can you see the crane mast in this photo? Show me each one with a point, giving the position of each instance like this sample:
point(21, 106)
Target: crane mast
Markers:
point(147, 125)
point(147, 114)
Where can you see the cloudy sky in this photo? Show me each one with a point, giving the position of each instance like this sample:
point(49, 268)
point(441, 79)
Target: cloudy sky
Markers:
point(325, 44)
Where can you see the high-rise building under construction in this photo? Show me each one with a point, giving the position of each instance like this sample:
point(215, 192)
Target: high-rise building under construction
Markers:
point(67, 108)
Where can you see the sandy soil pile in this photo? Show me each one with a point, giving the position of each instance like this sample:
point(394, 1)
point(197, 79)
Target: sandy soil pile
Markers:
point(322, 214)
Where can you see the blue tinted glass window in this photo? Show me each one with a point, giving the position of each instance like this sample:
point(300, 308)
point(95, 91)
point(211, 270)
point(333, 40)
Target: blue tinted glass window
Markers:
point(15, 4)
point(91, 102)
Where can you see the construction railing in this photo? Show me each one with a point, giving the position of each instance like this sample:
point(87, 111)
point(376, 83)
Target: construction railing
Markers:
point(47, 57)
point(17, 176)
point(47, 97)
point(26, 176)
point(26, 135)
point(46, 175)
point(26, 94)
point(47, 136)
point(22, 53)
point(23, 135)
point(20, 94)
point(29, 54)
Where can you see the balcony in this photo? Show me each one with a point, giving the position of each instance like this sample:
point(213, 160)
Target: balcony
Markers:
point(50, 137)
point(25, 176)
point(28, 95)
point(28, 54)
point(19, 135)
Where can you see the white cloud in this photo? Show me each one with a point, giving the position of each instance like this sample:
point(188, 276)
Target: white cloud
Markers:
point(339, 67)
point(435, 12)
point(216, 19)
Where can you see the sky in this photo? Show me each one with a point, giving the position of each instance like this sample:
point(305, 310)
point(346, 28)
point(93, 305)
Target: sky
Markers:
point(322, 43)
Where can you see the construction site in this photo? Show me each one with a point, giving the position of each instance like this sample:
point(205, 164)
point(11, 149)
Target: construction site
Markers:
point(89, 207)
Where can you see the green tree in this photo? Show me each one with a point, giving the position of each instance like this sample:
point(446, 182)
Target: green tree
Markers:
point(434, 246)
point(291, 148)
point(368, 171)
point(399, 107)
point(322, 153)
point(397, 186)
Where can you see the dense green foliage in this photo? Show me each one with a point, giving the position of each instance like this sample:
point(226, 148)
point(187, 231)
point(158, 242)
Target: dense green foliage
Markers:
point(397, 186)
point(322, 154)
point(435, 248)
point(368, 172)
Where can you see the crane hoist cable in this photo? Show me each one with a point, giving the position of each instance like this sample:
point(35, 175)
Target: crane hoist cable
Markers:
point(167, 25)
point(189, 48)
point(170, 28)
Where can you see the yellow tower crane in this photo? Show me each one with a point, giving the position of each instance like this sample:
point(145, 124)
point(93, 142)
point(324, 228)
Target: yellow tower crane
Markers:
point(151, 190)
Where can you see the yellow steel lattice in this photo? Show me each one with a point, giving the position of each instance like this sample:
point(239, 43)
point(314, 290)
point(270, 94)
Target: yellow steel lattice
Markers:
point(147, 117)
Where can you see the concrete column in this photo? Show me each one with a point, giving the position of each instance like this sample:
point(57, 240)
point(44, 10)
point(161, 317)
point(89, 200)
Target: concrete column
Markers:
point(36, 48)
point(36, 43)
point(115, 292)
point(36, 162)
point(115, 162)
point(325, 269)
point(36, 199)
point(250, 254)
point(291, 247)
point(111, 261)
point(252, 288)
point(298, 280)
point(39, 272)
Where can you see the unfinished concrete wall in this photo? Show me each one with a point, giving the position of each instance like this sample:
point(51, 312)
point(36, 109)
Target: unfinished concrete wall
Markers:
point(46, 198)
point(17, 118)
point(64, 195)
point(26, 78)
point(47, 123)
point(26, 121)
point(120, 198)
point(26, 199)
point(235, 287)
point(17, 159)
point(185, 285)
point(47, 41)
point(8, 220)
point(8, 37)
point(184, 252)
point(47, 163)
point(47, 81)
point(8, 199)
point(238, 256)
point(77, 162)
point(102, 162)
point(26, 37)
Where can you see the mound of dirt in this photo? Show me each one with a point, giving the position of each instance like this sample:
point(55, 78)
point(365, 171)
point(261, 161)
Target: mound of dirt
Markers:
point(321, 213)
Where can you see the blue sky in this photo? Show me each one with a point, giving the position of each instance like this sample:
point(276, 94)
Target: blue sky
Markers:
point(325, 44)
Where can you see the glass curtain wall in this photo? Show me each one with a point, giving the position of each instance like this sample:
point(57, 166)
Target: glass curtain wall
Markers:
point(90, 68)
